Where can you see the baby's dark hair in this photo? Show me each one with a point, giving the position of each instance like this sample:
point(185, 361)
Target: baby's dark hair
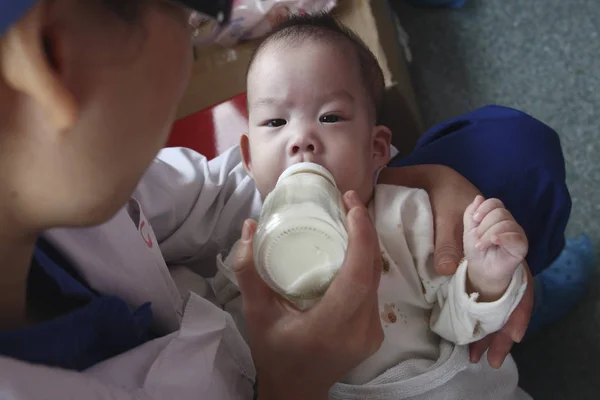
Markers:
point(323, 26)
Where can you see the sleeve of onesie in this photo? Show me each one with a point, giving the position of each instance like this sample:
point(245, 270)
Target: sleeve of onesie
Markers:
point(456, 315)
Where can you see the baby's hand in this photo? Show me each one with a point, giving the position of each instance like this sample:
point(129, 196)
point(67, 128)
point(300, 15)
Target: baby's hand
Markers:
point(495, 245)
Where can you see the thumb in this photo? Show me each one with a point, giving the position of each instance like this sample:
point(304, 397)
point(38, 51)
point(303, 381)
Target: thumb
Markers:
point(360, 272)
point(254, 290)
point(448, 246)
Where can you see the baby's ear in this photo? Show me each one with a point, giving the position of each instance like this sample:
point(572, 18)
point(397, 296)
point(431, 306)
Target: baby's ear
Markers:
point(382, 140)
point(245, 150)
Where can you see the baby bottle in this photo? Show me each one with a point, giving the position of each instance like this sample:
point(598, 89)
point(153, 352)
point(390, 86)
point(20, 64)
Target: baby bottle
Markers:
point(301, 238)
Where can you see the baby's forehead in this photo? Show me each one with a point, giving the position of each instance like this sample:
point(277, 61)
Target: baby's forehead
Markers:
point(285, 48)
point(334, 68)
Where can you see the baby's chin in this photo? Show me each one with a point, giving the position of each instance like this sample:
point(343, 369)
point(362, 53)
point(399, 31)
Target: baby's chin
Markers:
point(365, 193)
point(364, 190)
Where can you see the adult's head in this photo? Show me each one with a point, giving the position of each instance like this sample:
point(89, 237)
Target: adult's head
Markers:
point(88, 91)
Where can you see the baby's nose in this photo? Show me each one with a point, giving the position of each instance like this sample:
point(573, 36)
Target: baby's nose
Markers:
point(301, 148)
point(305, 142)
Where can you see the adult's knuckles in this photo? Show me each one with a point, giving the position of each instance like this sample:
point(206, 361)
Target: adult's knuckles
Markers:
point(447, 251)
point(242, 262)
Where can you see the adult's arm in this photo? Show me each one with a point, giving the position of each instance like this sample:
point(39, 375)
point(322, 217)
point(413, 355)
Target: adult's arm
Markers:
point(450, 194)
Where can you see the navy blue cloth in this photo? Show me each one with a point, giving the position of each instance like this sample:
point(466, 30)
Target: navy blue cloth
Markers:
point(83, 329)
point(509, 155)
point(13, 10)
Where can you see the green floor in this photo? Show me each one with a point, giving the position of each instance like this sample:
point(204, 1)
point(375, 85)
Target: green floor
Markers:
point(541, 56)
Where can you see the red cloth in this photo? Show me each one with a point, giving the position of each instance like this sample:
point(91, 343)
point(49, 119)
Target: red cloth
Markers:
point(213, 130)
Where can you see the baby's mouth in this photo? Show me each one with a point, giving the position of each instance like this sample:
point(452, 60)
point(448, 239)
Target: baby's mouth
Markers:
point(305, 158)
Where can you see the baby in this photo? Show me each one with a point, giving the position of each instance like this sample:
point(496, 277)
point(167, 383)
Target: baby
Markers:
point(314, 93)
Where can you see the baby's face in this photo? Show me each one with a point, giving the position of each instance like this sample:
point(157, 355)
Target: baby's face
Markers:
point(307, 102)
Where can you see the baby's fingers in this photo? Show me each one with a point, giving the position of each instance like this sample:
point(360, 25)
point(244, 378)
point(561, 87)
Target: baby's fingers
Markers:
point(469, 222)
point(495, 217)
point(506, 226)
point(496, 235)
point(514, 243)
point(485, 208)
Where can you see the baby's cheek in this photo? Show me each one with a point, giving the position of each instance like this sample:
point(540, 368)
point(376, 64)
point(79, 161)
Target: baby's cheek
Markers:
point(266, 182)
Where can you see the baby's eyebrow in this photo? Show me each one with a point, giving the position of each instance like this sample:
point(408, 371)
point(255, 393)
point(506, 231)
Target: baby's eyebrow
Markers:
point(265, 102)
point(338, 94)
point(274, 101)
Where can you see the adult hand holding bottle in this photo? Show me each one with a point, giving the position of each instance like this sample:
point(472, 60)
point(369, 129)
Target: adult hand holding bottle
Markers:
point(302, 354)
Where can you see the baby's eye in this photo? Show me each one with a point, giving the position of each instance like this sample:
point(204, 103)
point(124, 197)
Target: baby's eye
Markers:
point(275, 123)
point(330, 119)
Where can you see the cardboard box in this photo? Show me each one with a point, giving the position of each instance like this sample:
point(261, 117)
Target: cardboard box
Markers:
point(219, 74)
point(373, 21)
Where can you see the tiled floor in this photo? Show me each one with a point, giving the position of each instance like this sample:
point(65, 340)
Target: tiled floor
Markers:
point(541, 56)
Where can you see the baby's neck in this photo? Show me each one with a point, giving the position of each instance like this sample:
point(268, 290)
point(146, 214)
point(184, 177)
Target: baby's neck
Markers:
point(367, 195)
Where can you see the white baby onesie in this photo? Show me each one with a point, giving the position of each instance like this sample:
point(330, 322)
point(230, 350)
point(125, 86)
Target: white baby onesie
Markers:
point(427, 318)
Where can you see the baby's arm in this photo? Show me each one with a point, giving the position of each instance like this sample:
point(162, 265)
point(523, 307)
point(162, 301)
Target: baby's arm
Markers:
point(495, 246)
point(458, 314)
